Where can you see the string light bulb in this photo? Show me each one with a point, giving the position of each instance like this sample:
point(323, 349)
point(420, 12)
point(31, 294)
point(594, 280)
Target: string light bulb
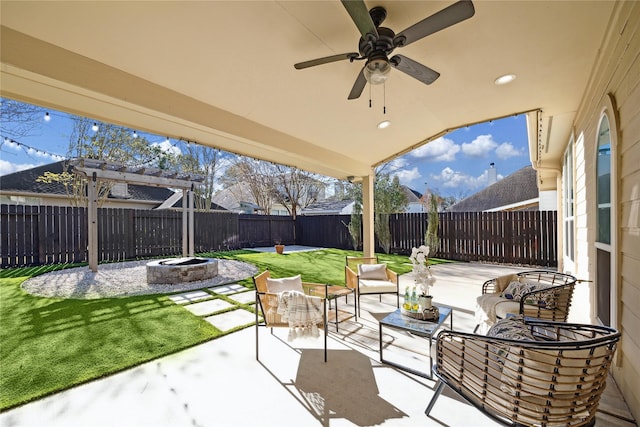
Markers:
point(135, 134)
point(94, 127)
point(47, 117)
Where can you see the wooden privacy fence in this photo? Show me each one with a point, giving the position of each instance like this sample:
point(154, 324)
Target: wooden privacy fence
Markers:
point(36, 235)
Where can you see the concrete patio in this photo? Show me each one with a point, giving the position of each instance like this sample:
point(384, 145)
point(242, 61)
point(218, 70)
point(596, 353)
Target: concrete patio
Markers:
point(220, 383)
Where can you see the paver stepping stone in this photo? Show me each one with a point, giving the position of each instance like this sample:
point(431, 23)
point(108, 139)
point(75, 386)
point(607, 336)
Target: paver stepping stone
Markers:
point(189, 297)
point(244, 297)
point(231, 319)
point(228, 289)
point(207, 307)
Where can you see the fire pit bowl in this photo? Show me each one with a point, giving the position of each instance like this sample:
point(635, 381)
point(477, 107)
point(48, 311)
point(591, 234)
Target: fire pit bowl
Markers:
point(181, 270)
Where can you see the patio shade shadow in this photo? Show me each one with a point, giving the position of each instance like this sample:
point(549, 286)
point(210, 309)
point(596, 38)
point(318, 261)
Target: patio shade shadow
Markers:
point(343, 387)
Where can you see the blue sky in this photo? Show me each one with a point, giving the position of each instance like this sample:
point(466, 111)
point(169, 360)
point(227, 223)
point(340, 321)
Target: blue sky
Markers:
point(453, 165)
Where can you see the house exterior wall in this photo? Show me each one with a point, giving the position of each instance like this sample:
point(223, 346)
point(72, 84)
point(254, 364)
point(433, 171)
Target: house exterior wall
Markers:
point(614, 85)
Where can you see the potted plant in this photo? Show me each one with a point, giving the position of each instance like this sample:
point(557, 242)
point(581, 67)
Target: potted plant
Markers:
point(279, 247)
point(422, 275)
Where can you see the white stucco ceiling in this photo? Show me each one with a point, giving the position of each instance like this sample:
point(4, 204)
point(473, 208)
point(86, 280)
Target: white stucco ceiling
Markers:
point(221, 72)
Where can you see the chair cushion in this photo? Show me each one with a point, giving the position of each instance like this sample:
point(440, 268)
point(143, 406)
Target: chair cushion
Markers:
point(276, 286)
point(376, 286)
point(372, 271)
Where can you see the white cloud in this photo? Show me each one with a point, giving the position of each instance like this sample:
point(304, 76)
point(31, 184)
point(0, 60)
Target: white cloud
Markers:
point(439, 150)
point(407, 176)
point(8, 167)
point(507, 150)
point(449, 178)
point(167, 147)
point(479, 147)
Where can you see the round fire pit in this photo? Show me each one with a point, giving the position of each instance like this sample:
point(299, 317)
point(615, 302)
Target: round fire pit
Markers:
point(181, 270)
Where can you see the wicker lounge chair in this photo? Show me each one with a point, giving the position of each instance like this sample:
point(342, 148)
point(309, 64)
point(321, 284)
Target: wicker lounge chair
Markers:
point(539, 293)
point(368, 277)
point(544, 374)
point(267, 305)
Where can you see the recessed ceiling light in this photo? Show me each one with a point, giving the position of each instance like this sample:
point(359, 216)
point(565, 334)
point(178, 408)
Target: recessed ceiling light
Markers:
point(503, 80)
point(385, 124)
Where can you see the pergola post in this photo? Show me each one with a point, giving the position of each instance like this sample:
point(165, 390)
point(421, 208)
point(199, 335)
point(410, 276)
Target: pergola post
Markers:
point(368, 239)
point(191, 225)
point(92, 217)
point(185, 236)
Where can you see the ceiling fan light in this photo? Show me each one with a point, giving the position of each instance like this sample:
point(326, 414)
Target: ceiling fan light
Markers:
point(377, 70)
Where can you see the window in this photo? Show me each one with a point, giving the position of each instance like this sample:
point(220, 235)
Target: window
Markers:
point(567, 187)
point(603, 174)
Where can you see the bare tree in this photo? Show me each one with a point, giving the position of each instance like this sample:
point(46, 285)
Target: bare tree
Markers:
point(205, 161)
point(254, 175)
point(19, 119)
point(296, 189)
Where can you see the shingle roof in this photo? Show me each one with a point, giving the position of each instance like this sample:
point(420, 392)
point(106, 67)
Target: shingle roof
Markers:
point(517, 187)
point(25, 181)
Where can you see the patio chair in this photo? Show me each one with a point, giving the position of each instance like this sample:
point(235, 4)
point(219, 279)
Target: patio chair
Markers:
point(532, 372)
point(365, 275)
point(268, 292)
point(538, 293)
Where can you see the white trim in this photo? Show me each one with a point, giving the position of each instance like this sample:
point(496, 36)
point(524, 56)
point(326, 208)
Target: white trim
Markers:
point(610, 111)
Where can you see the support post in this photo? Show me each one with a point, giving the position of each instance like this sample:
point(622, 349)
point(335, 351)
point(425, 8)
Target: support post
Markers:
point(368, 236)
point(92, 216)
point(185, 235)
point(191, 226)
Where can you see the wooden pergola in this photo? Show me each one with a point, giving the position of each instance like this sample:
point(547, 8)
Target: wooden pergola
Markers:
point(94, 170)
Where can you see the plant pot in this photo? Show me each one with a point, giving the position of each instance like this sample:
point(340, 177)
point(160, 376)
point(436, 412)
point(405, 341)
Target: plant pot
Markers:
point(280, 249)
point(425, 302)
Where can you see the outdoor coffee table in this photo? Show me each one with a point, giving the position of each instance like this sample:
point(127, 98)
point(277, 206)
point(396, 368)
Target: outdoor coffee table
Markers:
point(332, 293)
point(421, 328)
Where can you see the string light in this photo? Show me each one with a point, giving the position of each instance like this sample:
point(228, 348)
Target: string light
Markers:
point(47, 117)
point(95, 127)
point(12, 143)
point(135, 134)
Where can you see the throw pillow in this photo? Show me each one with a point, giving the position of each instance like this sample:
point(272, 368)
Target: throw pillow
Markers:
point(276, 286)
point(372, 271)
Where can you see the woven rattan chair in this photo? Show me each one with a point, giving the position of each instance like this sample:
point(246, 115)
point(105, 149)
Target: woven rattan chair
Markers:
point(552, 375)
point(551, 302)
point(363, 285)
point(267, 306)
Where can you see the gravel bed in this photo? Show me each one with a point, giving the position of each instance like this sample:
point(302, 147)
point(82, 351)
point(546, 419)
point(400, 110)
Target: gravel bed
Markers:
point(124, 279)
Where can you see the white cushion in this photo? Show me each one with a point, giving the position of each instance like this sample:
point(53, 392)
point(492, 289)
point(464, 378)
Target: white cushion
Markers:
point(372, 271)
point(376, 286)
point(276, 286)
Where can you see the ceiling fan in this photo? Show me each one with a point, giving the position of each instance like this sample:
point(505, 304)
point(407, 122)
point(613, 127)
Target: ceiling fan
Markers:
point(377, 43)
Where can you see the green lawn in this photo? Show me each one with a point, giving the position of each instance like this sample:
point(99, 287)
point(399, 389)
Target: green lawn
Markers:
point(48, 344)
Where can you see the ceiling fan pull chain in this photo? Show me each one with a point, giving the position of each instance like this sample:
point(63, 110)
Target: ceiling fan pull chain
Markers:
point(369, 96)
point(384, 98)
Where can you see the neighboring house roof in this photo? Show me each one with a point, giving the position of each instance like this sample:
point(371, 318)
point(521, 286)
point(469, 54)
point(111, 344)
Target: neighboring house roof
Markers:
point(26, 182)
point(516, 190)
point(329, 207)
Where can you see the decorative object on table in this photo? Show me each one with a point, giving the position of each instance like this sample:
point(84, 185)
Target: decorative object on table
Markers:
point(422, 275)
point(432, 313)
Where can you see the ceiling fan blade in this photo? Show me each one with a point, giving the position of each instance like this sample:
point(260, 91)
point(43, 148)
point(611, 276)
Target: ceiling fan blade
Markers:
point(358, 86)
point(360, 16)
point(415, 69)
point(325, 60)
point(447, 17)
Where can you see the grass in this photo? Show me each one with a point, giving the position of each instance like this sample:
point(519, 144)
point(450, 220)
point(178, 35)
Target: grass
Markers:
point(51, 344)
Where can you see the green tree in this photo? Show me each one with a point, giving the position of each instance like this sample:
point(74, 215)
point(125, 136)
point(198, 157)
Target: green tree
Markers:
point(389, 197)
